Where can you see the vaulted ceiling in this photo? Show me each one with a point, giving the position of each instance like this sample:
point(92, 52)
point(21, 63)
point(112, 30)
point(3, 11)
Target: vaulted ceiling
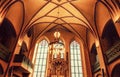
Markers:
point(76, 16)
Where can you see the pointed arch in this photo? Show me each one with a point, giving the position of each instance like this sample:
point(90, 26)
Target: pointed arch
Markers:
point(109, 35)
point(7, 34)
point(116, 71)
point(93, 55)
point(1, 70)
point(94, 59)
point(24, 48)
point(40, 59)
point(75, 57)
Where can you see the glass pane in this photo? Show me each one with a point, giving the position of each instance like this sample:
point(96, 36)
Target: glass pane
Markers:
point(79, 63)
point(72, 70)
point(72, 57)
point(38, 55)
point(73, 75)
point(45, 56)
point(79, 58)
point(37, 61)
point(37, 74)
point(71, 51)
point(40, 62)
point(76, 69)
point(75, 52)
point(76, 63)
point(77, 75)
point(72, 63)
point(44, 62)
point(43, 68)
point(42, 75)
point(41, 56)
point(81, 75)
point(78, 52)
point(39, 68)
point(75, 57)
point(80, 69)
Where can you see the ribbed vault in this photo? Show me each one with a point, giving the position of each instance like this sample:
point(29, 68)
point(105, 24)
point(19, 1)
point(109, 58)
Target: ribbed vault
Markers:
point(70, 15)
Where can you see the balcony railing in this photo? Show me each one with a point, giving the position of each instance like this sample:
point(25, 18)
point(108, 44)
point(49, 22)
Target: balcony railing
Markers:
point(113, 53)
point(22, 61)
point(4, 53)
point(96, 67)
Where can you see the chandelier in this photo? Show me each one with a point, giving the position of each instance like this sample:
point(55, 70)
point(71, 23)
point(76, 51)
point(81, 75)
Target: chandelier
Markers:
point(57, 62)
point(56, 48)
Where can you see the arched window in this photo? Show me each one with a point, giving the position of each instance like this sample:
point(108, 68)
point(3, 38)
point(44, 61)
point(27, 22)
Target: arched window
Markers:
point(76, 65)
point(40, 60)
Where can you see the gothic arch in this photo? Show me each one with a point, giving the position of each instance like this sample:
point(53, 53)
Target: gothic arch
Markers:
point(109, 34)
point(1, 70)
point(93, 57)
point(116, 71)
point(15, 14)
point(23, 47)
point(7, 33)
point(93, 54)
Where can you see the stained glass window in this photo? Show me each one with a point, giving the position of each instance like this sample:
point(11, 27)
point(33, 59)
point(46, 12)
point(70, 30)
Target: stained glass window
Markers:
point(41, 58)
point(76, 63)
